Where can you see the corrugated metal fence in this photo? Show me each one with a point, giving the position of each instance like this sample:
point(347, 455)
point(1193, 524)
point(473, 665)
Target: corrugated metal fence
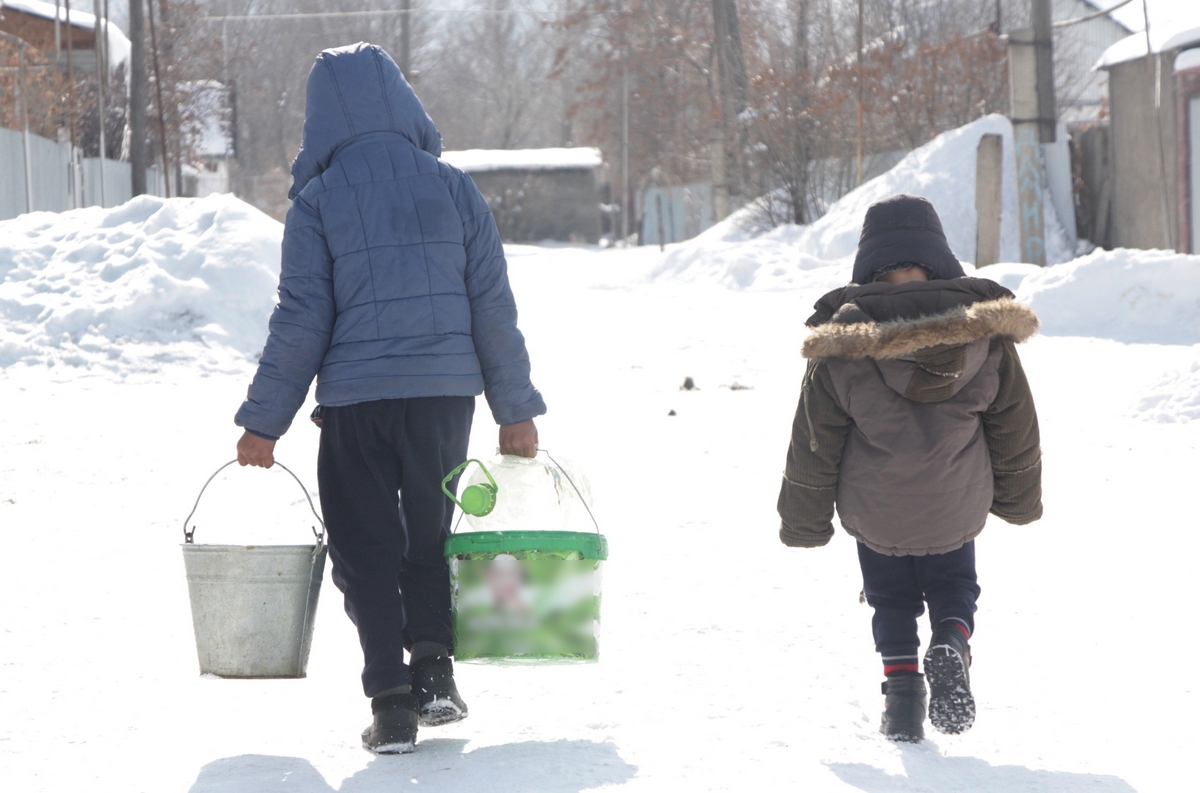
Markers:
point(55, 182)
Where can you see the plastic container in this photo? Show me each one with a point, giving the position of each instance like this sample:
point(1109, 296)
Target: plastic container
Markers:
point(526, 588)
point(253, 606)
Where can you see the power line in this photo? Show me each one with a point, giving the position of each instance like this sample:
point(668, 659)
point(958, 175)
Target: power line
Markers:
point(1062, 23)
point(387, 12)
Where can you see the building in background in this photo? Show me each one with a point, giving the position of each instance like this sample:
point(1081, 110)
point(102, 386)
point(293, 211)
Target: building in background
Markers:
point(1154, 141)
point(1082, 90)
point(33, 21)
point(539, 194)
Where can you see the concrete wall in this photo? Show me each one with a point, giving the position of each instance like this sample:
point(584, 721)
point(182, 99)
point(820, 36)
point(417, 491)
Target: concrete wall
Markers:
point(1143, 209)
point(536, 205)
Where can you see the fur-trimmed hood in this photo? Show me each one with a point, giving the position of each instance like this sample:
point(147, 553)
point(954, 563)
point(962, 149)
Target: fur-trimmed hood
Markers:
point(885, 321)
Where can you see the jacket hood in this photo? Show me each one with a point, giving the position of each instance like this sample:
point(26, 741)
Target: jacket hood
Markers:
point(904, 229)
point(353, 91)
point(928, 338)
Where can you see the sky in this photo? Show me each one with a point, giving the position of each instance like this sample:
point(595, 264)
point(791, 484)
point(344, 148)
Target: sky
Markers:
point(1162, 12)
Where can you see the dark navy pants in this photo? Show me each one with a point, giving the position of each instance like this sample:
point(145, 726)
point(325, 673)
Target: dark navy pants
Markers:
point(898, 587)
point(380, 470)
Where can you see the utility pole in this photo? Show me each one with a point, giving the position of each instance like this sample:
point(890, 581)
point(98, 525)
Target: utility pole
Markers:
point(101, 32)
point(733, 96)
point(137, 98)
point(175, 117)
point(800, 150)
point(162, 120)
point(1043, 42)
point(859, 146)
point(230, 99)
point(405, 38)
point(1031, 83)
point(76, 198)
point(625, 193)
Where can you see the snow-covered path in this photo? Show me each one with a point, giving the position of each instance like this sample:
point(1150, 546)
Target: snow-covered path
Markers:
point(728, 661)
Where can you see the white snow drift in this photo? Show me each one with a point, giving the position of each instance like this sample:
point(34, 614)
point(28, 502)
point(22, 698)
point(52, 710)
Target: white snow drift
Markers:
point(129, 288)
point(942, 170)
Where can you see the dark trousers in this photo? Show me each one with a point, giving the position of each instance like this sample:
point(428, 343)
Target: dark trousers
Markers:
point(898, 587)
point(380, 470)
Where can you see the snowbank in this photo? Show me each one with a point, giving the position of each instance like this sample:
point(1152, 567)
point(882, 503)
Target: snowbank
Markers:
point(1125, 295)
point(129, 288)
point(943, 171)
point(724, 256)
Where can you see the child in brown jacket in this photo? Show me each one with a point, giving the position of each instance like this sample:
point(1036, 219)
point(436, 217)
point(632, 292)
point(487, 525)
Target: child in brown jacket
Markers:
point(916, 421)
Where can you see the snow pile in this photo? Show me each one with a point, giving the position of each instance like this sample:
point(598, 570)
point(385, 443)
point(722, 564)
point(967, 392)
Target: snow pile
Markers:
point(942, 170)
point(130, 288)
point(1126, 295)
point(728, 257)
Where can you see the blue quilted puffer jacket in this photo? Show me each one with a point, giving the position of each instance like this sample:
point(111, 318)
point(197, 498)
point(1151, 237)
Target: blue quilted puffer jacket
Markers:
point(393, 282)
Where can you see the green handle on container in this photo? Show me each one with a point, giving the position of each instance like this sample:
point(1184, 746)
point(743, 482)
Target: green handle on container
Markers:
point(477, 500)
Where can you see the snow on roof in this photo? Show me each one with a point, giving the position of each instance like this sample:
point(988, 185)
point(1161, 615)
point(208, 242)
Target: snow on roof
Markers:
point(118, 44)
point(1188, 59)
point(1162, 39)
point(479, 160)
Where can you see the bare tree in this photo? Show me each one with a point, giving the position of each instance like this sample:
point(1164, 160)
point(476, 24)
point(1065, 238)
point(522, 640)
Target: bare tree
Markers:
point(486, 84)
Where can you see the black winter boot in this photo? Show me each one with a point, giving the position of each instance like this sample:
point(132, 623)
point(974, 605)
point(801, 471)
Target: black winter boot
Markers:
point(433, 684)
point(904, 707)
point(394, 729)
point(947, 664)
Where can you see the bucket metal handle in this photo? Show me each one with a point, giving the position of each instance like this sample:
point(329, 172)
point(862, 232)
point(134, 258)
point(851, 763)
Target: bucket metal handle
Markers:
point(557, 465)
point(320, 535)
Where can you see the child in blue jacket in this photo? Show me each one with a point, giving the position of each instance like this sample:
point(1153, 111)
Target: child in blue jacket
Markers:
point(394, 295)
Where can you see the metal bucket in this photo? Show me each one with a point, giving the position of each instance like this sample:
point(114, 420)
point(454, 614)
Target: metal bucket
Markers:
point(253, 607)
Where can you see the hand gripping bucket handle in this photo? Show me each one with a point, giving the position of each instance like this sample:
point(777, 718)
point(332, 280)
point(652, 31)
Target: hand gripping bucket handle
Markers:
point(189, 533)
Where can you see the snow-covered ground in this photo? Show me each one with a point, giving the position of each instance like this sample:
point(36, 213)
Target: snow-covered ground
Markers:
point(729, 662)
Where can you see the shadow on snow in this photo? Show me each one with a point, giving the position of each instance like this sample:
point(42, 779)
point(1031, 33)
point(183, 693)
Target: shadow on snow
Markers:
point(927, 770)
point(438, 764)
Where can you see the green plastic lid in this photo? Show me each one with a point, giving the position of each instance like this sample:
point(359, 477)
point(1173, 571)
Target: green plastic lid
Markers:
point(588, 544)
point(478, 500)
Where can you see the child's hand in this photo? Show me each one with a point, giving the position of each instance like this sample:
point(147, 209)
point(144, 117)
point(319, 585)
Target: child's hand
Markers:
point(519, 439)
point(253, 450)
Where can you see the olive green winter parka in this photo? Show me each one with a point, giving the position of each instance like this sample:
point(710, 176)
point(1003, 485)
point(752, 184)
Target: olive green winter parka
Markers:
point(915, 420)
